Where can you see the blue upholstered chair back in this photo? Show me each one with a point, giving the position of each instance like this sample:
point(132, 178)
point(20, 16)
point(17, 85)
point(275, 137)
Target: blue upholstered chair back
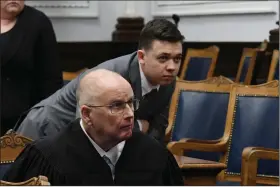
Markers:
point(245, 68)
point(199, 64)
point(198, 68)
point(200, 113)
point(255, 124)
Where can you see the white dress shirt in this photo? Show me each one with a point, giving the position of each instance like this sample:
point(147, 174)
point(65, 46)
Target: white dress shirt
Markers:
point(113, 154)
point(146, 88)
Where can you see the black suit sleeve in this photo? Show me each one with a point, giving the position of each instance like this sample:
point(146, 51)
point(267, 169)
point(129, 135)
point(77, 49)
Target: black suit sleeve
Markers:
point(31, 163)
point(159, 121)
point(172, 174)
point(48, 72)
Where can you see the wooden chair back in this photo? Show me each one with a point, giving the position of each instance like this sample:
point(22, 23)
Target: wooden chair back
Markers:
point(274, 67)
point(199, 64)
point(246, 66)
point(11, 146)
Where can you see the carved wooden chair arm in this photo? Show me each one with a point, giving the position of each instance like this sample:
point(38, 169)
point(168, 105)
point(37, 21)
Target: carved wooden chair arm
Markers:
point(35, 181)
point(250, 157)
point(179, 147)
point(43, 181)
point(167, 138)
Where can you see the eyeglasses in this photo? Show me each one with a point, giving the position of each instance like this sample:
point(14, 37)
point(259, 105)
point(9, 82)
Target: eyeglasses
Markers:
point(118, 106)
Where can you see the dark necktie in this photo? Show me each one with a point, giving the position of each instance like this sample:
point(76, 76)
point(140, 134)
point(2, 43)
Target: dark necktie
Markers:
point(150, 94)
point(145, 102)
point(110, 164)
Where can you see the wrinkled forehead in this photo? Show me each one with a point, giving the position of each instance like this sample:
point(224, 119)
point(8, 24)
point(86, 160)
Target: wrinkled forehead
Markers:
point(116, 93)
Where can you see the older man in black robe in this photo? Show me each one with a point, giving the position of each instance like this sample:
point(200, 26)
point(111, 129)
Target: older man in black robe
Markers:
point(100, 148)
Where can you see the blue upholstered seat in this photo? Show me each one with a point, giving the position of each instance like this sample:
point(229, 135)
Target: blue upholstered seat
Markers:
point(200, 115)
point(198, 68)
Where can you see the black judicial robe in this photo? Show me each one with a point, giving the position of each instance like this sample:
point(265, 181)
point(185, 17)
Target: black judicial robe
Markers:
point(68, 158)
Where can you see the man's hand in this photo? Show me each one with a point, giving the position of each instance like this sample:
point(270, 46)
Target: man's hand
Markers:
point(145, 126)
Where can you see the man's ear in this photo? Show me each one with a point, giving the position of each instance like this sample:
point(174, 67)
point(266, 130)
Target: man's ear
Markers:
point(85, 114)
point(141, 56)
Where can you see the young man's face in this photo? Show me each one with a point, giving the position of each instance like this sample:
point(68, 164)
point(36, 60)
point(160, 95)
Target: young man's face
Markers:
point(161, 62)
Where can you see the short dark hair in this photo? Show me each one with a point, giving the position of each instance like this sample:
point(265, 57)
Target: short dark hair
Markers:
point(159, 29)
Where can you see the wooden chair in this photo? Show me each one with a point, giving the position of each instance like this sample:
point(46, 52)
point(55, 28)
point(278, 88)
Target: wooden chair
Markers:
point(245, 62)
point(68, 76)
point(199, 64)
point(246, 66)
point(252, 120)
point(11, 146)
point(274, 67)
point(249, 167)
point(198, 111)
point(35, 181)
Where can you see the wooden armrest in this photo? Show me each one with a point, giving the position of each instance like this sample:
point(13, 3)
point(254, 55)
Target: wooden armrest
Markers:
point(194, 163)
point(168, 134)
point(250, 157)
point(200, 141)
point(35, 181)
point(178, 148)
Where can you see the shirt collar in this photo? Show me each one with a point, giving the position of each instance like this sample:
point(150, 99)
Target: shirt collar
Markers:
point(146, 86)
point(113, 154)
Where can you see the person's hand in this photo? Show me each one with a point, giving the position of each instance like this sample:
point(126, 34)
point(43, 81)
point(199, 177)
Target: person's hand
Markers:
point(145, 126)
